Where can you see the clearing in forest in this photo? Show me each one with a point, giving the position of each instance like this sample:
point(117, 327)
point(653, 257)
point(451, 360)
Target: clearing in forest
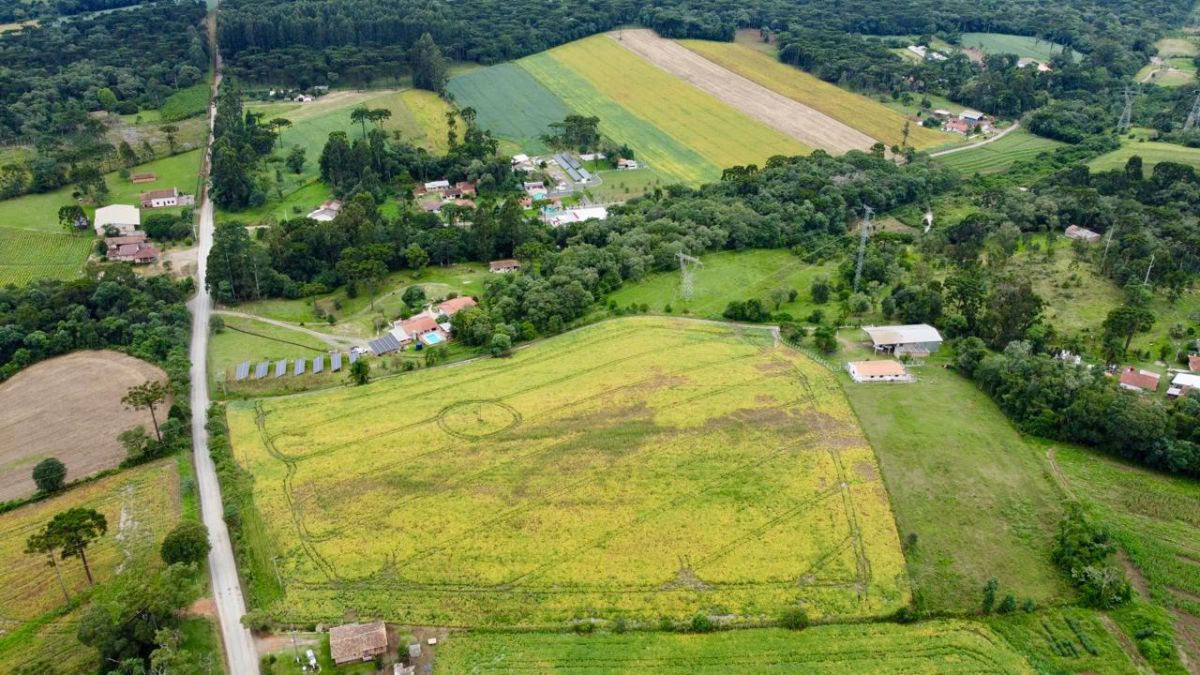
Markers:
point(801, 122)
point(70, 408)
point(831, 109)
point(674, 127)
point(639, 468)
point(1015, 146)
point(1151, 152)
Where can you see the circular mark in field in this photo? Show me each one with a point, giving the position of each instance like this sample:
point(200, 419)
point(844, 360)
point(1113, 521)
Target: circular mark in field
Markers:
point(478, 419)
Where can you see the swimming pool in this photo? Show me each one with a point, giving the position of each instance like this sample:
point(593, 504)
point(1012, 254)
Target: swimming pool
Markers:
point(432, 338)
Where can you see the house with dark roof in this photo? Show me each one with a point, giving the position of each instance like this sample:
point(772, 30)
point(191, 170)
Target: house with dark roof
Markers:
point(357, 642)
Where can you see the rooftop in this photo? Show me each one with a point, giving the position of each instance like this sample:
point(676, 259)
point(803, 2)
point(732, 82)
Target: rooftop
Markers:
point(355, 641)
point(899, 335)
point(455, 305)
point(1142, 379)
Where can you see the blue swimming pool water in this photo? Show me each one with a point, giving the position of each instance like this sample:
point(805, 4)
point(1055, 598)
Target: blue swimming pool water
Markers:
point(432, 338)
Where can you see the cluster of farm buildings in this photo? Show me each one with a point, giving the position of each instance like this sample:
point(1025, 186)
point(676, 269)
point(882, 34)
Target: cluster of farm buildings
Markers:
point(120, 224)
point(914, 341)
point(1148, 382)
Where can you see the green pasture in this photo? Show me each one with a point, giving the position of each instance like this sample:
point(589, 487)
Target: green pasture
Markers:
point(1021, 45)
point(510, 103)
point(1151, 152)
point(1066, 640)
point(727, 276)
point(184, 103)
point(997, 156)
point(972, 498)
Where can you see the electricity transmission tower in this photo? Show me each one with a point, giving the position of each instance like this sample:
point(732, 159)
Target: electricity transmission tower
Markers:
point(1194, 115)
point(864, 231)
point(1126, 112)
point(687, 268)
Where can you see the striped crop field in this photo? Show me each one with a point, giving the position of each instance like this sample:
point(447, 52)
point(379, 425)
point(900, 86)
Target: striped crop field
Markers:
point(510, 103)
point(997, 156)
point(689, 467)
point(858, 112)
point(1021, 45)
point(945, 646)
point(673, 126)
point(26, 255)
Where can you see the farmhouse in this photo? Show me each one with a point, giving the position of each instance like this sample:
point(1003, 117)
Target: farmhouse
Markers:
point(439, 186)
point(503, 266)
point(462, 189)
point(357, 642)
point(577, 215)
point(1082, 234)
point(957, 127)
point(130, 248)
point(972, 116)
point(535, 189)
point(878, 371)
point(124, 218)
point(165, 198)
point(455, 305)
point(143, 178)
point(917, 340)
point(627, 164)
point(327, 211)
point(1134, 379)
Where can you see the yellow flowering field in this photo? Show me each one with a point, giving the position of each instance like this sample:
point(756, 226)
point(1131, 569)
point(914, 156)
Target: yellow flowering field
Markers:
point(644, 467)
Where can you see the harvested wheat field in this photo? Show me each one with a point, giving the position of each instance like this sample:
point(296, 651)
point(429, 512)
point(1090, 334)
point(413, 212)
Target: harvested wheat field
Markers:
point(639, 468)
point(69, 408)
point(809, 126)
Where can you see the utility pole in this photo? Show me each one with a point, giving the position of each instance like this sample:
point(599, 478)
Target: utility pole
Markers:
point(1126, 113)
point(1194, 115)
point(864, 232)
point(687, 269)
point(1149, 267)
point(1107, 243)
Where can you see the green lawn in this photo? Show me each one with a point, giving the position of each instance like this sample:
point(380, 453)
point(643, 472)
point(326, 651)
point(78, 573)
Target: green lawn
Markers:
point(231, 347)
point(727, 276)
point(621, 186)
point(966, 484)
point(998, 156)
point(355, 317)
point(510, 103)
point(184, 103)
point(1151, 152)
point(1082, 641)
point(1021, 45)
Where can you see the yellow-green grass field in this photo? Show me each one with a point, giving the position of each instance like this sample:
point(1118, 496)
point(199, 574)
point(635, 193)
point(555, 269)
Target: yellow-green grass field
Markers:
point(140, 505)
point(638, 468)
point(1151, 152)
point(674, 127)
point(27, 255)
point(998, 156)
point(859, 112)
point(1171, 47)
point(727, 276)
point(971, 496)
point(947, 646)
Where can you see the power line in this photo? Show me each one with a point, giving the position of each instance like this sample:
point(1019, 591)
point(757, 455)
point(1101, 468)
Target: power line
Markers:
point(687, 269)
point(1126, 113)
point(862, 243)
point(1193, 115)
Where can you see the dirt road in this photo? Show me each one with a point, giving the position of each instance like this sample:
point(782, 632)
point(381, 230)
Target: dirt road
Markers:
point(980, 144)
point(806, 125)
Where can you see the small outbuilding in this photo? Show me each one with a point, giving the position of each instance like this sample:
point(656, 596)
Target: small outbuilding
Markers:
point(886, 370)
point(124, 218)
point(915, 340)
point(503, 266)
point(455, 305)
point(357, 642)
point(1182, 383)
point(139, 178)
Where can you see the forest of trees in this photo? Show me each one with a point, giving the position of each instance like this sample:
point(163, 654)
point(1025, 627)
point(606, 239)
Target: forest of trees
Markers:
point(55, 78)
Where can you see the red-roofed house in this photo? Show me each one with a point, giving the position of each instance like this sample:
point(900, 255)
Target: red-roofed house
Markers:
point(1134, 379)
point(1194, 362)
point(455, 305)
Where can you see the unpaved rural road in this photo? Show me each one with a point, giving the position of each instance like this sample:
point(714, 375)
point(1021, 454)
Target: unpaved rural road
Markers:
point(240, 654)
point(808, 126)
point(334, 341)
point(980, 144)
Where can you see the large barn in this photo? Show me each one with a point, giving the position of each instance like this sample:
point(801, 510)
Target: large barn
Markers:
point(915, 340)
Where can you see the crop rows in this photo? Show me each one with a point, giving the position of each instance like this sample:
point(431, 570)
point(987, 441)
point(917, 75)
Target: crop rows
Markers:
point(27, 255)
point(682, 469)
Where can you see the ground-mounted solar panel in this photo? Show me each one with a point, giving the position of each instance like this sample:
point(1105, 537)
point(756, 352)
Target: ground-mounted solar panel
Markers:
point(242, 372)
point(299, 367)
point(583, 173)
point(318, 364)
point(385, 344)
point(353, 358)
point(335, 362)
point(281, 368)
point(260, 371)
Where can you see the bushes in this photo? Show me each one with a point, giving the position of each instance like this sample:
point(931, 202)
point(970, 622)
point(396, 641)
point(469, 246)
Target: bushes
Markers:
point(754, 310)
point(794, 618)
point(1084, 551)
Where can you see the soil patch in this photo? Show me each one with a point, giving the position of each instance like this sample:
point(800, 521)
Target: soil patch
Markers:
point(1135, 575)
point(811, 127)
point(70, 408)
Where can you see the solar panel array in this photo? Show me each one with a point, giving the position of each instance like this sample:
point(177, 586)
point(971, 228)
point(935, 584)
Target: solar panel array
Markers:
point(383, 345)
point(264, 369)
point(573, 168)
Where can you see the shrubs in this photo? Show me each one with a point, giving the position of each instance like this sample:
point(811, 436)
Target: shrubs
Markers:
point(1084, 551)
point(747, 310)
point(187, 543)
point(794, 618)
